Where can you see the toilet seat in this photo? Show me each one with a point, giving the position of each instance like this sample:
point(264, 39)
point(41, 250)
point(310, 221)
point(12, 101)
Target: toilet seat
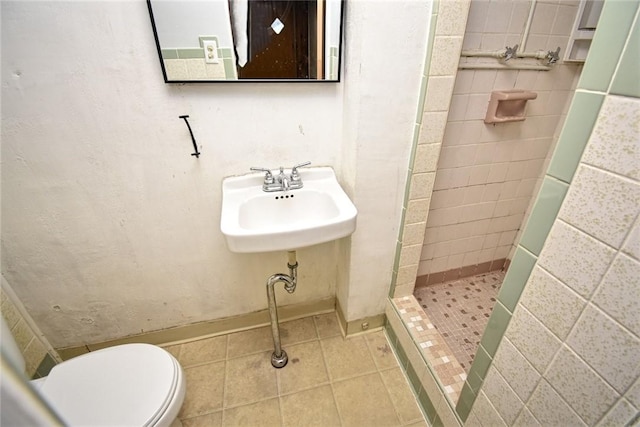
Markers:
point(126, 385)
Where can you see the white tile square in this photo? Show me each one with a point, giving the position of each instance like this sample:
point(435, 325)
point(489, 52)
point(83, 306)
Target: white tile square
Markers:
point(483, 81)
point(426, 159)
point(550, 409)
point(563, 23)
point(619, 293)
point(439, 89)
point(601, 204)
point(586, 392)
point(445, 56)
point(527, 419)
point(485, 412)
point(633, 394)
point(608, 348)
point(503, 398)
point(452, 17)
point(457, 156)
point(464, 78)
point(534, 340)
point(458, 107)
point(432, 127)
point(479, 174)
point(516, 370)
point(477, 106)
point(632, 244)
point(472, 41)
point(543, 18)
point(421, 185)
point(620, 415)
point(575, 258)
point(614, 143)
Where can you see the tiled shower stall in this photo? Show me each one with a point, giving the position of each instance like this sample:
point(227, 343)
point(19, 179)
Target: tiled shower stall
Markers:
point(559, 310)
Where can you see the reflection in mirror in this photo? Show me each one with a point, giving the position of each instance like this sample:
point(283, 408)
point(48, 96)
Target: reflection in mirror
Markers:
point(248, 40)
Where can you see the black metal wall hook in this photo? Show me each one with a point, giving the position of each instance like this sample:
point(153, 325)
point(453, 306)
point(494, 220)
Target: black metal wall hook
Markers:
point(193, 139)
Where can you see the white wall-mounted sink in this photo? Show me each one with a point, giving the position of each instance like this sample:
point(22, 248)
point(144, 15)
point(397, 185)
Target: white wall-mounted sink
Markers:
point(256, 221)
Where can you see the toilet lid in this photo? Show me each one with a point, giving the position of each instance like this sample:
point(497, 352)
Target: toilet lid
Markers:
point(126, 385)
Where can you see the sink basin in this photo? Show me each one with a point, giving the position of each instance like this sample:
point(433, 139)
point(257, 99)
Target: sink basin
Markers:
point(256, 221)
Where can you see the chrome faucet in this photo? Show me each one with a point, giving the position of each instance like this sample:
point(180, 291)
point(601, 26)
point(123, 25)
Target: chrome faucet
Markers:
point(510, 53)
point(552, 56)
point(282, 182)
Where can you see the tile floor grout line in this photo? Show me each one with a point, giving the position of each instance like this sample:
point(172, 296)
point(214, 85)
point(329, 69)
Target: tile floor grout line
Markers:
point(326, 367)
point(326, 382)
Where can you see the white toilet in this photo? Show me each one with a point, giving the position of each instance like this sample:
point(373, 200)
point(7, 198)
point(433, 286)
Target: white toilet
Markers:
point(125, 385)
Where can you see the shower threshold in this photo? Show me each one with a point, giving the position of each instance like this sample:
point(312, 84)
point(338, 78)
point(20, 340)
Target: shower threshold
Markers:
point(437, 349)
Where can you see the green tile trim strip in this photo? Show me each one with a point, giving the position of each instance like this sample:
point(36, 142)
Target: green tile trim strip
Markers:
point(169, 54)
point(427, 406)
point(544, 213)
point(467, 398)
point(517, 276)
point(475, 378)
point(626, 81)
point(46, 365)
point(575, 134)
point(225, 52)
point(608, 42)
point(191, 53)
point(495, 329)
point(230, 71)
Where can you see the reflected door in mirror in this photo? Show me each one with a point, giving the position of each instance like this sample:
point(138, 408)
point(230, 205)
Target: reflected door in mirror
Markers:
point(282, 40)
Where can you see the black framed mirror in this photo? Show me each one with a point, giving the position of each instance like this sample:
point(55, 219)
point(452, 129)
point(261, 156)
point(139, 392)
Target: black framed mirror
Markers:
point(248, 40)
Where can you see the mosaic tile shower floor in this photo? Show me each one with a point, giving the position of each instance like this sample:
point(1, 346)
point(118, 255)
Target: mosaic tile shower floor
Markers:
point(460, 310)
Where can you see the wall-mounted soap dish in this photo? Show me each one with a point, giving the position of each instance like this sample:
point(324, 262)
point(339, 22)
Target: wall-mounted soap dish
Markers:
point(508, 105)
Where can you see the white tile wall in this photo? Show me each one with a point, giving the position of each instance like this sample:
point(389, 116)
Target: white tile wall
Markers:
point(501, 163)
point(576, 330)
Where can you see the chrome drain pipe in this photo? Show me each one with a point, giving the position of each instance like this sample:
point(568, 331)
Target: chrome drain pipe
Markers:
point(279, 357)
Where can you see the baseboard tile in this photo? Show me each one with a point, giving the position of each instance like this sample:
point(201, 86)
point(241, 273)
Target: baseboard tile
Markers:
point(210, 328)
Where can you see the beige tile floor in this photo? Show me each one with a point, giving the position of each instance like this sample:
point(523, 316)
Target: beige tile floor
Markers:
point(329, 380)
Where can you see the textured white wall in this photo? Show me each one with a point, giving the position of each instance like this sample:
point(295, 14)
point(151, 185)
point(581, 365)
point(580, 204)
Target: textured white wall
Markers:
point(110, 227)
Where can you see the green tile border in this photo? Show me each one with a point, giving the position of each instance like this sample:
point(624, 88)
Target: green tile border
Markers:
point(517, 276)
point(577, 127)
point(495, 329)
point(465, 402)
point(45, 366)
point(608, 41)
point(474, 382)
point(626, 81)
point(574, 137)
point(481, 363)
point(544, 213)
point(191, 53)
point(169, 54)
point(427, 405)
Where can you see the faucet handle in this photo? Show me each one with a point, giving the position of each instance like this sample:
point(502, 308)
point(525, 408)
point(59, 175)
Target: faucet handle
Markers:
point(552, 56)
point(294, 170)
point(268, 177)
